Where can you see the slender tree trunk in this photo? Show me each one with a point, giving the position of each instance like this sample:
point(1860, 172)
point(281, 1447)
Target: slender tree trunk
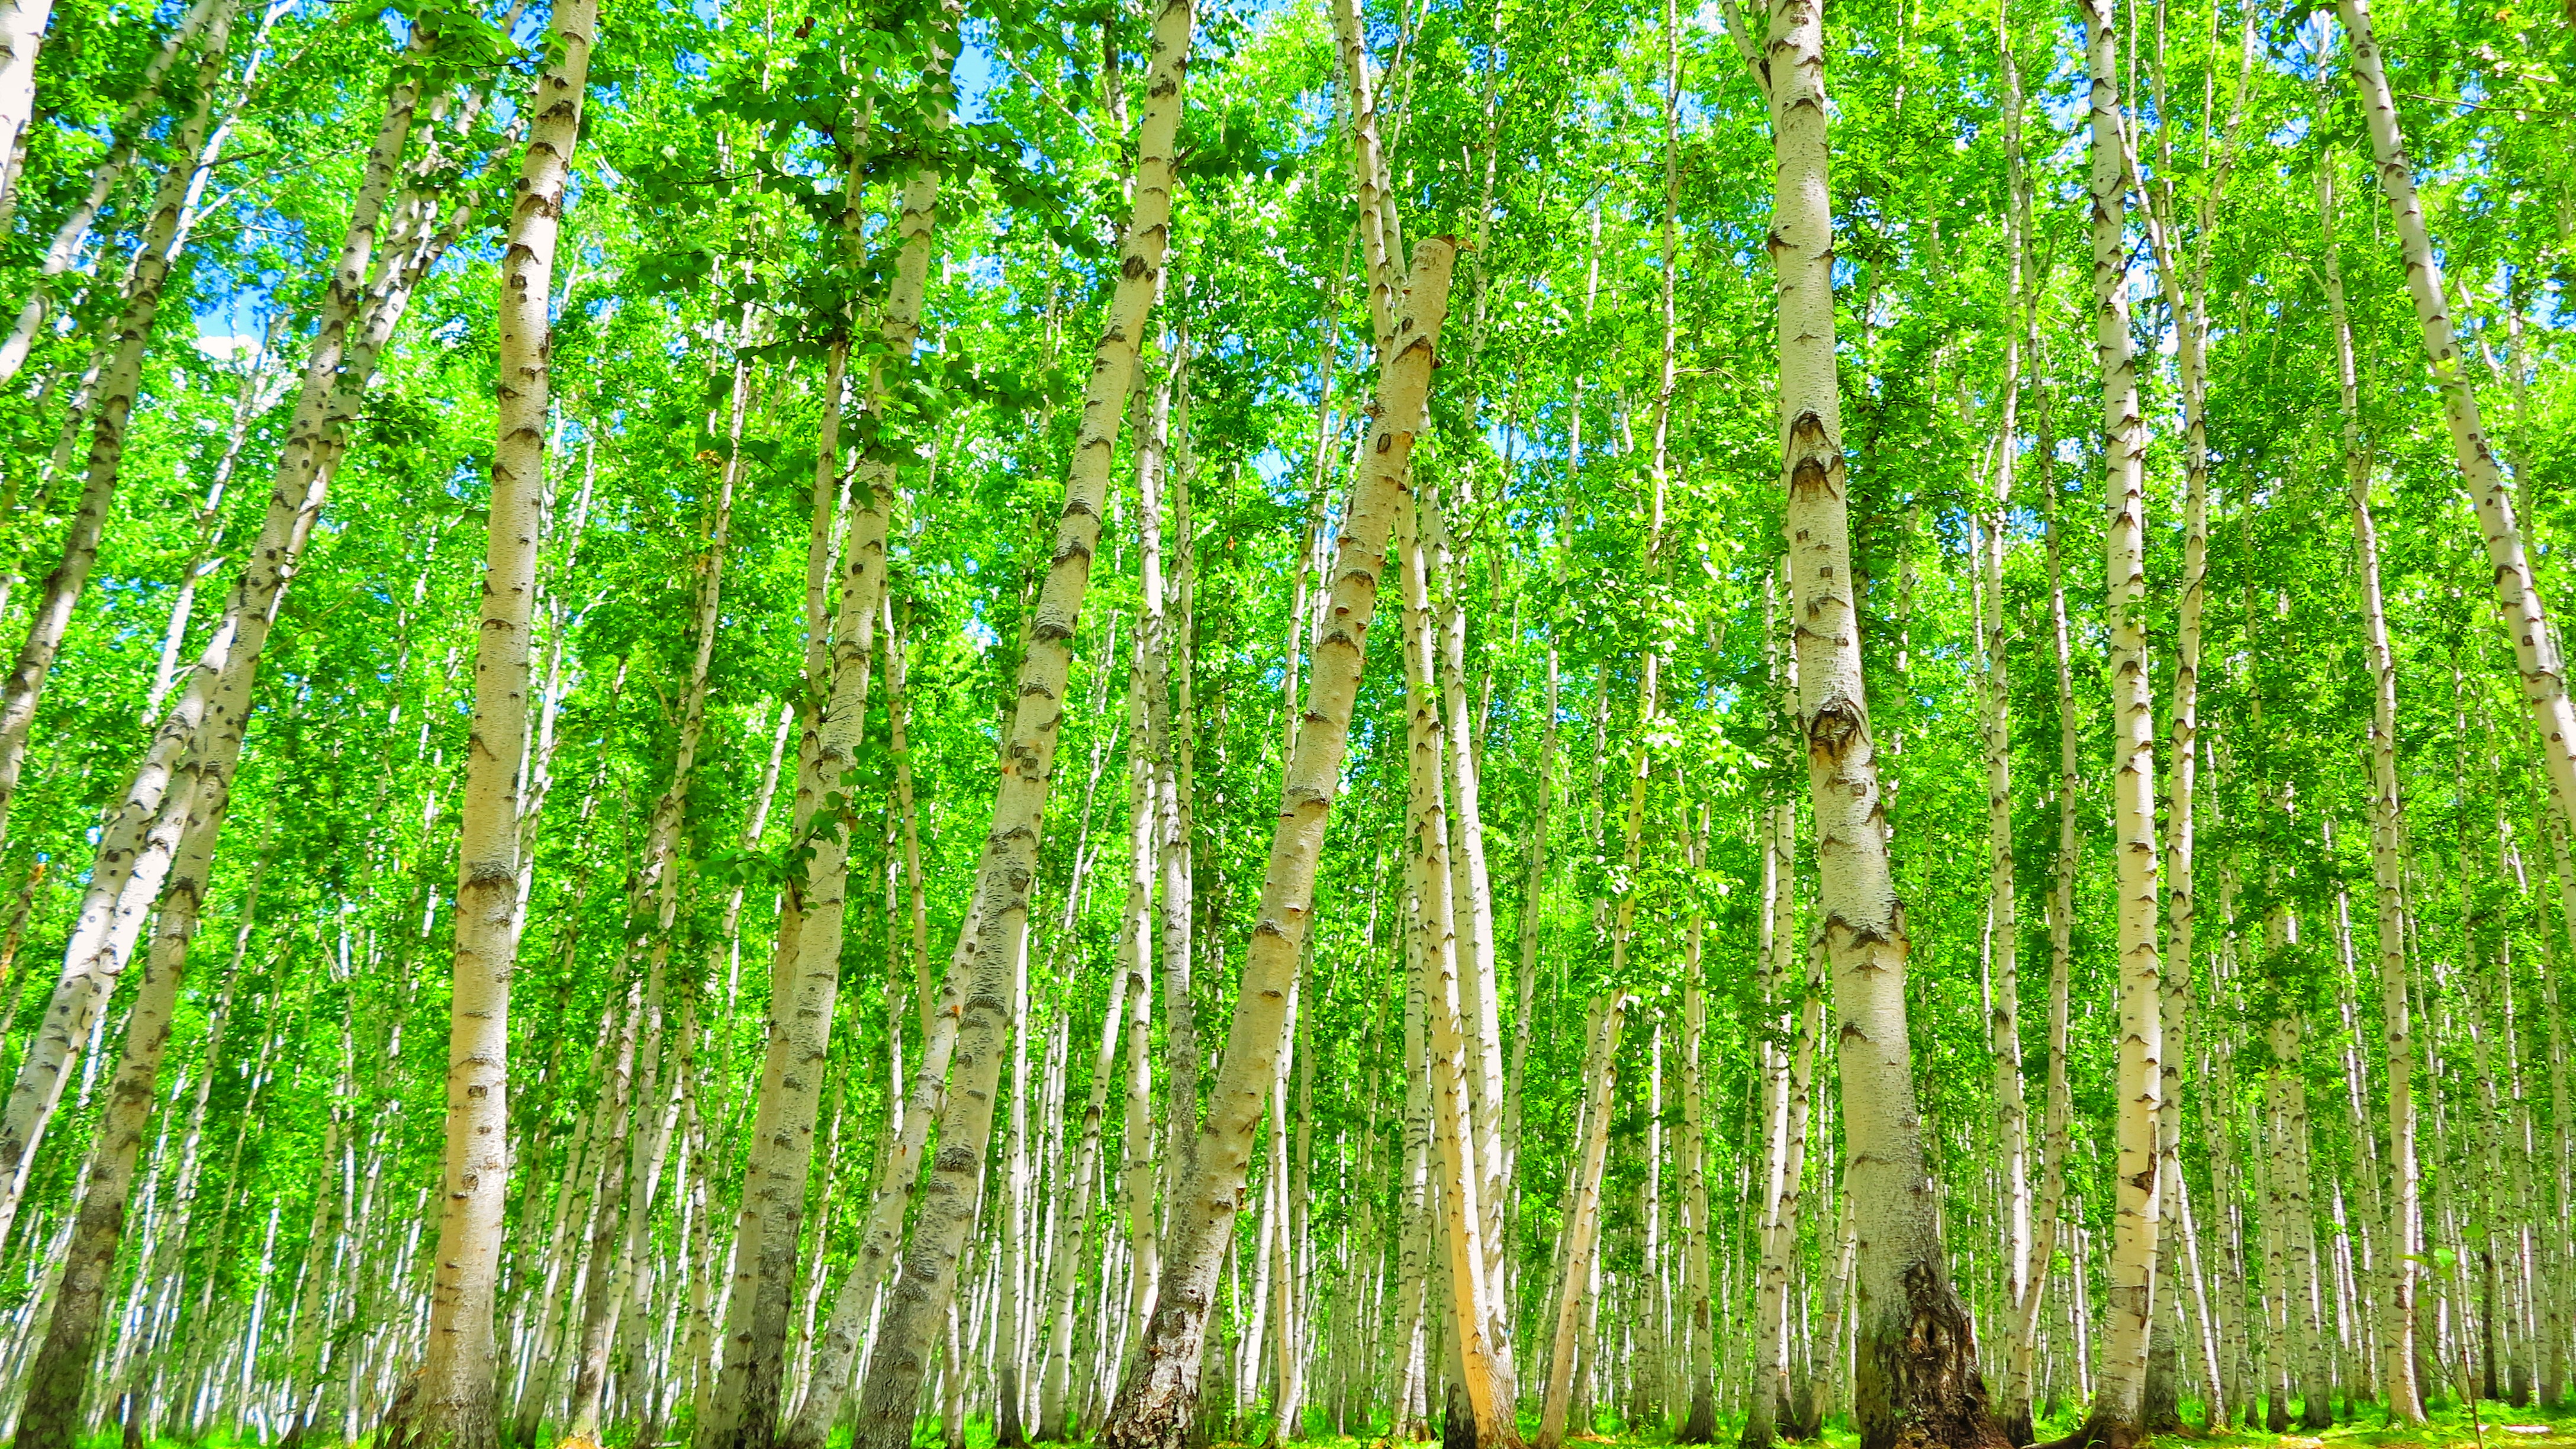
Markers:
point(454, 1407)
point(112, 401)
point(2536, 650)
point(995, 925)
point(1452, 1091)
point(2003, 919)
point(1583, 1218)
point(1155, 1403)
point(2401, 1243)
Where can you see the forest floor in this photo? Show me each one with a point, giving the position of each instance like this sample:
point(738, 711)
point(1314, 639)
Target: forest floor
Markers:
point(2497, 1426)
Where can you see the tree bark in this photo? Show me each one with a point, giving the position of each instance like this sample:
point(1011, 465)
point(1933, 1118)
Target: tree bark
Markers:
point(454, 1404)
point(2118, 1414)
point(1917, 1378)
point(2536, 650)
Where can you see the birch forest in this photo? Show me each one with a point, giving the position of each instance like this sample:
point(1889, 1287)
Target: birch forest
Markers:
point(1167, 723)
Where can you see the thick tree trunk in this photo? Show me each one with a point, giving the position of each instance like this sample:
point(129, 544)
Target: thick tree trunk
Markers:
point(1155, 1403)
point(1917, 1378)
point(454, 1408)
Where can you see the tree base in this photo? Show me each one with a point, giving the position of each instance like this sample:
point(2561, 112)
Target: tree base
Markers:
point(1700, 1425)
point(1917, 1385)
point(1802, 1414)
point(2101, 1431)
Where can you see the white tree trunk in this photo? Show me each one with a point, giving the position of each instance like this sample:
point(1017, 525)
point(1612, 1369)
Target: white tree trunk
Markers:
point(1153, 1405)
point(454, 1408)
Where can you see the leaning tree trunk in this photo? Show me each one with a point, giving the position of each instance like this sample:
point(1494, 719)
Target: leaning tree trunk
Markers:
point(22, 35)
point(2119, 1406)
point(453, 1407)
point(1917, 1378)
point(2544, 679)
point(112, 400)
point(125, 132)
point(140, 834)
point(997, 915)
point(1155, 1403)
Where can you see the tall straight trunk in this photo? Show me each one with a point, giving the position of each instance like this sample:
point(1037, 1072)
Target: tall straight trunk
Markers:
point(1148, 716)
point(1694, 1322)
point(1453, 1112)
point(2536, 649)
point(454, 1408)
point(112, 401)
point(753, 1391)
point(2402, 1242)
point(995, 928)
point(1155, 1402)
point(2185, 294)
point(1583, 1219)
point(1917, 1378)
point(2118, 1414)
point(2003, 917)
